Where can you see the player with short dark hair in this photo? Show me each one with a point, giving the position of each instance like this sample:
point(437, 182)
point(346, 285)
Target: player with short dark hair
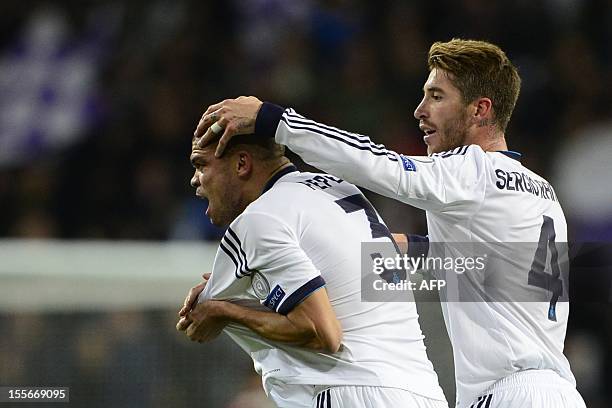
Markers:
point(285, 285)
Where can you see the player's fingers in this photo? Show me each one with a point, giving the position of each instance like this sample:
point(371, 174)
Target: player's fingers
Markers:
point(228, 133)
point(203, 126)
point(205, 139)
point(193, 295)
point(206, 275)
point(212, 108)
point(182, 324)
point(185, 307)
point(213, 132)
point(206, 121)
point(191, 331)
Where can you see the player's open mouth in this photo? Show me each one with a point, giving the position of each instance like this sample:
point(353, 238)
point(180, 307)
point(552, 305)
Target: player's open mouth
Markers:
point(429, 131)
point(428, 135)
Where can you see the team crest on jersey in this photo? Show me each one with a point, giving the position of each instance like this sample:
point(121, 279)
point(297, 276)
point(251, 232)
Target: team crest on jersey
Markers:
point(260, 285)
point(408, 163)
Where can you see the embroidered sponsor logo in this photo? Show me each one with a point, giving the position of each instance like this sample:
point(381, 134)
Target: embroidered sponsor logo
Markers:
point(275, 297)
point(408, 163)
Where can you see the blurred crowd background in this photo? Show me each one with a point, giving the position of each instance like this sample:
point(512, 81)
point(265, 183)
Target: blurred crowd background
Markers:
point(99, 100)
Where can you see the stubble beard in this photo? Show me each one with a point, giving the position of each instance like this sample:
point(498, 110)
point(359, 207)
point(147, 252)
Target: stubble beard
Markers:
point(455, 133)
point(230, 208)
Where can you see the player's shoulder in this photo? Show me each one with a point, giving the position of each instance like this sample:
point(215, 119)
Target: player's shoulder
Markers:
point(261, 219)
point(512, 161)
point(458, 151)
point(284, 203)
point(300, 192)
point(282, 197)
point(283, 194)
point(464, 161)
point(462, 158)
point(302, 187)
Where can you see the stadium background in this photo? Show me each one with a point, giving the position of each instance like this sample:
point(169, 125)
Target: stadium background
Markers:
point(101, 234)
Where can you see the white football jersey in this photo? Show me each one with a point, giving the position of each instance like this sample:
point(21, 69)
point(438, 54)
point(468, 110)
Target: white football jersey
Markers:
point(305, 232)
point(470, 196)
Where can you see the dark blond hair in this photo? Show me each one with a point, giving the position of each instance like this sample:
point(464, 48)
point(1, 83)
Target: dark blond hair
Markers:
point(479, 69)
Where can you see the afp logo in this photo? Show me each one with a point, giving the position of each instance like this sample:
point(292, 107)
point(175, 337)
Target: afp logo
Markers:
point(260, 285)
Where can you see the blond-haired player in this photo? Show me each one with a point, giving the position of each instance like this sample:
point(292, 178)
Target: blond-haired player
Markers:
point(507, 354)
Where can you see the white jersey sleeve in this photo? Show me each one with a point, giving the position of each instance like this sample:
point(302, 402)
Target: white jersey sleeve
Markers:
point(452, 182)
point(283, 275)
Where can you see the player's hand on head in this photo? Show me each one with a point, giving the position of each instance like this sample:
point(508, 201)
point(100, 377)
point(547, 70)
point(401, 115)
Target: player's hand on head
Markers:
point(232, 117)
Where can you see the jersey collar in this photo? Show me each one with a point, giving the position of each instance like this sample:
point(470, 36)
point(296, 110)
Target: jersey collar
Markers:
point(511, 154)
point(277, 176)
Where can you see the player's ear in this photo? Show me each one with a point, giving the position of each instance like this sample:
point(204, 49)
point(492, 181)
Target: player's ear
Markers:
point(482, 111)
point(244, 163)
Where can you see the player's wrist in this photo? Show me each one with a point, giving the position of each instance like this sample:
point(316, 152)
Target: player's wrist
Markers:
point(218, 310)
point(418, 245)
point(267, 119)
point(228, 312)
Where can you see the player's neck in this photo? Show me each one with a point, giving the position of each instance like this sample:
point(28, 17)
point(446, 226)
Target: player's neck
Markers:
point(489, 138)
point(281, 164)
point(265, 174)
point(493, 145)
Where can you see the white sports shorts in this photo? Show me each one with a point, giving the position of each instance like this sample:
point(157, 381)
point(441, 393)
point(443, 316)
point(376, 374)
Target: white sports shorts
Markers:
point(290, 395)
point(355, 396)
point(530, 389)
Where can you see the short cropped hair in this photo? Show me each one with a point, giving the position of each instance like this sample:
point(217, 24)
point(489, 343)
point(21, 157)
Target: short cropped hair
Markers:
point(262, 148)
point(479, 69)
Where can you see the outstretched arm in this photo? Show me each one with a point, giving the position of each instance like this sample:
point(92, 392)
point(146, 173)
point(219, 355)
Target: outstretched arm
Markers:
point(350, 156)
point(450, 182)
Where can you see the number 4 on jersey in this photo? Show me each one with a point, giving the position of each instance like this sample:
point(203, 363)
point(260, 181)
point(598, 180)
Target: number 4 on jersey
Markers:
point(537, 276)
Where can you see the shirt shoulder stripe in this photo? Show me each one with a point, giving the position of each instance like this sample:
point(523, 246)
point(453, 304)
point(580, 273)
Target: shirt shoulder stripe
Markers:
point(363, 140)
point(459, 151)
point(231, 256)
point(235, 236)
point(231, 245)
point(294, 117)
point(336, 135)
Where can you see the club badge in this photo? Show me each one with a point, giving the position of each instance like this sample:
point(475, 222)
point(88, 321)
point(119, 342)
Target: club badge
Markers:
point(260, 285)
